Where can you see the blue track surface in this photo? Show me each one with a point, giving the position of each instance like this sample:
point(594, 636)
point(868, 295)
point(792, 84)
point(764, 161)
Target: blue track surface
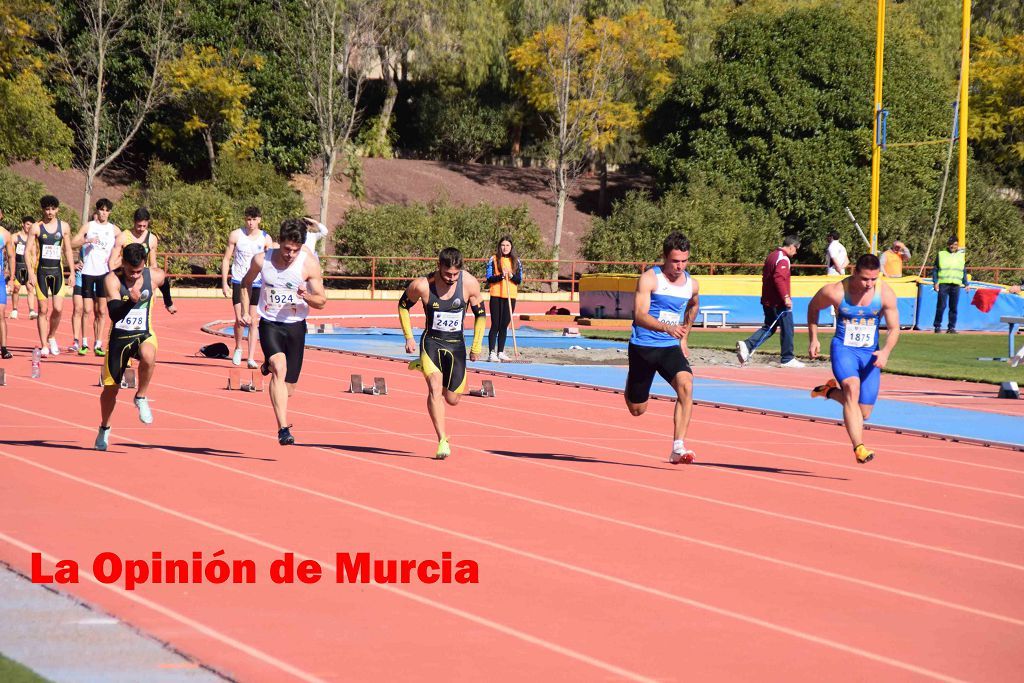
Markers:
point(951, 422)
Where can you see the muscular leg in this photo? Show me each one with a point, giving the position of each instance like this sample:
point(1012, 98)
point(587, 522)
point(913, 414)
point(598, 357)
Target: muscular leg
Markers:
point(683, 384)
point(279, 389)
point(237, 308)
point(43, 321)
point(89, 313)
point(77, 320)
point(636, 409)
point(101, 320)
point(108, 399)
point(254, 332)
point(435, 403)
point(853, 412)
point(57, 303)
point(147, 362)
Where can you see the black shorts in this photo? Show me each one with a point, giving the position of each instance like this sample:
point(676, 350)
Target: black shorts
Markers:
point(236, 294)
point(644, 361)
point(49, 283)
point(446, 355)
point(286, 338)
point(21, 274)
point(120, 349)
point(94, 286)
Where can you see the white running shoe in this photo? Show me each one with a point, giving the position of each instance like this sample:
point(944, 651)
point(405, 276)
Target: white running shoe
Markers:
point(742, 352)
point(54, 349)
point(793, 363)
point(14, 314)
point(145, 414)
point(32, 315)
point(503, 358)
point(492, 357)
point(685, 456)
point(102, 438)
point(252, 364)
point(236, 357)
point(44, 352)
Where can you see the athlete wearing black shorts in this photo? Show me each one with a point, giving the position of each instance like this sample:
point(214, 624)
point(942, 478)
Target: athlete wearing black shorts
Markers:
point(446, 295)
point(664, 309)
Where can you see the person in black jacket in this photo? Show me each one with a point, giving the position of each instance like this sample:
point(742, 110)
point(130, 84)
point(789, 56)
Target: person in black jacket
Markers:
point(504, 275)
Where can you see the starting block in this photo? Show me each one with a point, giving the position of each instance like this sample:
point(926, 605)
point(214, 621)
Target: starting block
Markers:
point(255, 382)
point(1009, 390)
point(128, 380)
point(379, 388)
point(486, 390)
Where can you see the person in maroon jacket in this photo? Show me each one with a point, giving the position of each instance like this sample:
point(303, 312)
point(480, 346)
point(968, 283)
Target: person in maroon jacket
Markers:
point(777, 305)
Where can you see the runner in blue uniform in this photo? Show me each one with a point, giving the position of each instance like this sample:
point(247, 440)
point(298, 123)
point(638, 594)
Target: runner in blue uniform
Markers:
point(664, 309)
point(857, 362)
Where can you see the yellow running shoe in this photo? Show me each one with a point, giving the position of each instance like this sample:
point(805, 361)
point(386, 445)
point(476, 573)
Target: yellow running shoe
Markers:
point(863, 454)
point(443, 449)
point(822, 390)
point(416, 365)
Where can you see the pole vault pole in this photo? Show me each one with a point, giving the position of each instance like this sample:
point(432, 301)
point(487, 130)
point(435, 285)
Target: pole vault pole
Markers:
point(876, 142)
point(965, 68)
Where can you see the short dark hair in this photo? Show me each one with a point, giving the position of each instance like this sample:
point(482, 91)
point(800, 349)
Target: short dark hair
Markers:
point(833, 234)
point(134, 254)
point(952, 240)
point(449, 257)
point(252, 212)
point(868, 262)
point(28, 219)
point(674, 241)
point(791, 241)
point(104, 203)
point(141, 214)
point(292, 230)
point(49, 202)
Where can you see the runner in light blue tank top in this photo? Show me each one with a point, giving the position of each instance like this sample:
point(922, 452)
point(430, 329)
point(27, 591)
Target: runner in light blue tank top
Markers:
point(664, 309)
point(862, 300)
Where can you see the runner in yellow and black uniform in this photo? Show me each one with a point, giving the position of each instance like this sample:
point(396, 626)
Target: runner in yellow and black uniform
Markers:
point(49, 242)
point(129, 295)
point(446, 294)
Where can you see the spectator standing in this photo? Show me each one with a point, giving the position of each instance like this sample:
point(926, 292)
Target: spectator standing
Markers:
point(894, 258)
point(777, 304)
point(504, 275)
point(836, 258)
point(948, 276)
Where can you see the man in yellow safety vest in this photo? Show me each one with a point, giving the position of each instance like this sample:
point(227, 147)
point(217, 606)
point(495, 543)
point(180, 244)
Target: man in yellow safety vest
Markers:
point(948, 276)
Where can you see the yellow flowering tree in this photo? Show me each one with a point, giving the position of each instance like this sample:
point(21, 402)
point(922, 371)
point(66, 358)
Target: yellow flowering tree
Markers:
point(997, 103)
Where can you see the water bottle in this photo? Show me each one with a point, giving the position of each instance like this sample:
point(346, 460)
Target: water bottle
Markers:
point(36, 355)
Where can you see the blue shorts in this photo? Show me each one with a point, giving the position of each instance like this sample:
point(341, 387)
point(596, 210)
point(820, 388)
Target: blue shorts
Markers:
point(850, 362)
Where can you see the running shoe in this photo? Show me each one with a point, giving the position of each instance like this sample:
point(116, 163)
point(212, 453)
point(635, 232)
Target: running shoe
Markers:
point(284, 436)
point(742, 352)
point(14, 314)
point(5, 354)
point(74, 347)
point(32, 315)
point(44, 352)
point(102, 438)
point(145, 414)
point(54, 349)
point(443, 449)
point(822, 390)
point(416, 365)
point(252, 364)
point(492, 357)
point(863, 454)
point(236, 357)
point(502, 357)
point(685, 457)
point(793, 363)
point(98, 350)
point(80, 349)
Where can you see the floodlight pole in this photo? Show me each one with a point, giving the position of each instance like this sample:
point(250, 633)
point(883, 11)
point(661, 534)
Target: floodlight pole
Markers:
point(876, 148)
point(965, 67)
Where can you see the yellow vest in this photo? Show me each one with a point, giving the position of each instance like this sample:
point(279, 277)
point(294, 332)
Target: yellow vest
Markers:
point(951, 267)
point(506, 289)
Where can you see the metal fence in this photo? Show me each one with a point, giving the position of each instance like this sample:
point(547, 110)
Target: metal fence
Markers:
point(394, 272)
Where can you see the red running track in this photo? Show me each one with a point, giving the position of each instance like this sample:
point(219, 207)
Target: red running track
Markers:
point(774, 557)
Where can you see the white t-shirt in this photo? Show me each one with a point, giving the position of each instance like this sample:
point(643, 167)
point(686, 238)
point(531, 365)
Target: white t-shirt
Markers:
point(837, 258)
point(95, 255)
point(312, 236)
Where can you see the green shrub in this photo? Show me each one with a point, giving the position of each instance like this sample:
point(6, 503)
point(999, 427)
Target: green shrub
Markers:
point(459, 127)
point(20, 196)
point(424, 229)
point(252, 183)
point(721, 228)
point(368, 140)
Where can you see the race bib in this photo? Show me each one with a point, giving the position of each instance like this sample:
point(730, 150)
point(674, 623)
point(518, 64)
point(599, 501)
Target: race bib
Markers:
point(20, 249)
point(447, 321)
point(859, 334)
point(51, 252)
point(277, 298)
point(135, 321)
point(668, 317)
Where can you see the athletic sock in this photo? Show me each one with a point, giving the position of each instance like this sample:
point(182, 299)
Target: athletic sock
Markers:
point(677, 446)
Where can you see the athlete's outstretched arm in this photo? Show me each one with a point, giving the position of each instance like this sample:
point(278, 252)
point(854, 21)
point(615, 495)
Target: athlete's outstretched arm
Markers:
point(690, 316)
point(114, 260)
point(31, 259)
point(254, 270)
point(315, 296)
point(411, 295)
point(820, 300)
point(892, 325)
point(117, 307)
point(69, 255)
point(225, 264)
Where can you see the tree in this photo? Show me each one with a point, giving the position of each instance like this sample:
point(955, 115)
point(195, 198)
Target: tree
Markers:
point(29, 128)
point(331, 43)
point(210, 89)
point(105, 125)
point(587, 76)
point(997, 105)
